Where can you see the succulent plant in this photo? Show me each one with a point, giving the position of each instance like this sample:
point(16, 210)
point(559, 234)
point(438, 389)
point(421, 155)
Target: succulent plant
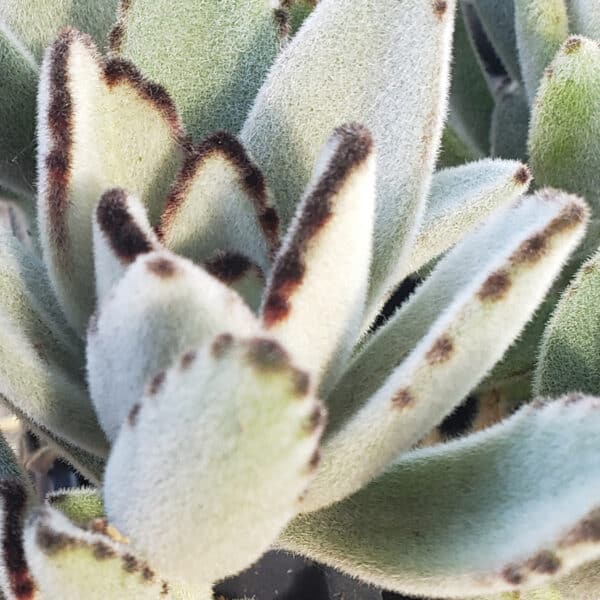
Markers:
point(545, 109)
point(224, 202)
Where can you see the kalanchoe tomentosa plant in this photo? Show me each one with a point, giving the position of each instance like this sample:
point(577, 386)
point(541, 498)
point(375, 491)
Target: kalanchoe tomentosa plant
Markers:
point(221, 211)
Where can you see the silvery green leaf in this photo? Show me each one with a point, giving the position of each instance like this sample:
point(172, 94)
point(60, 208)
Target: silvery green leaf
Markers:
point(459, 199)
point(162, 306)
point(585, 18)
point(453, 150)
point(569, 357)
point(325, 77)
point(220, 449)
point(41, 367)
point(17, 114)
point(220, 202)
point(437, 347)
point(565, 126)
point(80, 505)
point(211, 56)
point(471, 101)
point(72, 563)
point(510, 508)
point(541, 27)
point(316, 294)
point(101, 125)
point(121, 233)
point(38, 22)
point(510, 122)
point(498, 20)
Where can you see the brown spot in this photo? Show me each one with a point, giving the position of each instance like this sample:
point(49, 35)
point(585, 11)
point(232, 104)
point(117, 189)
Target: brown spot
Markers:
point(439, 8)
point(156, 383)
point(130, 563)
point(572, 45)
point(403, 399)
point(116, 222)
point(301, 382)
point(523, 175)
point(531, 250)
point(315, 420)
point(572, 215)
point(102, 551)
point(267, 355)
point(229, 267)
point(513, 575)
point(187, 359)
point(282, 22)
point(14, 499)
point(133, 414)
point(164, 589)
point(495, 286)
point(441, 351)
point(221, 344)
point(315, 460)
point(117, 34)
point(148, 574)
point(162, 267)
point(587, 530)
point(52, 542)
point(545, 563)
point(250, 178)
point(589, 268)
point(354, 147)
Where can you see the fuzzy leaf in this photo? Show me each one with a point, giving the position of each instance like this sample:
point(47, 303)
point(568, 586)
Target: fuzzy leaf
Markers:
point(17, 114)
point(325, 78)
point(101, 126)
point(316, 294)
point(453, 150)
point(459, 199)
point(585, 18)
point(565, 128)
point(41, 367)
point(72, 563)
point(498, 20)
point(541, 27)
point(38, 22)
point(510, 122)
point(211, 57)
point(417, 368)
point(121, 233)
point(220, 202)
point(250, 428)
point(506, 509)
point(81, 506)
point(570, 351)
point(16, 497)
point(163, 306)
point(471, 102)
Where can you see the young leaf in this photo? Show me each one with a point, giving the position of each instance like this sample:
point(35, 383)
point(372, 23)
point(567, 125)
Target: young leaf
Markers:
point(220, 202)
point(570, 351)
point(325, 77)
point(211, 56)
point(565, 127)
point(121, 233)
point(459, 199)
point(471, 101)
point(498, 20)
point(101, 126)
point(417, 368)
point(250, 428)
point(17, 114)
point(507, 509)
point(163, 306)
point(541, 27)
point(316, 293)
point(41, 370)
point(16, 497)
point(38, 22)
point(510, 122)
point(81, 505)
point(585, 18)
point(72, 563)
